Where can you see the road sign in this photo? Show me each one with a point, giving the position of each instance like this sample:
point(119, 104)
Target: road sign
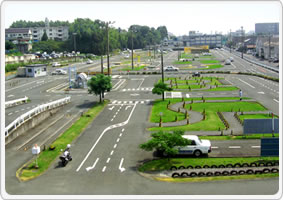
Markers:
point(269, 147)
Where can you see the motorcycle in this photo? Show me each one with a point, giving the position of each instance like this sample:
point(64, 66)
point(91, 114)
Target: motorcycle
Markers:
point(65, 157)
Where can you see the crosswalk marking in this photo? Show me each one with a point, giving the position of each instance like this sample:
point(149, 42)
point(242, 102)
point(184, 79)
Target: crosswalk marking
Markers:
point(115, 102)
point(137, 89)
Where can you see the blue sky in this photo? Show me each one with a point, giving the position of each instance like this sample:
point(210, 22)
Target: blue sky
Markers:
point(178, 16)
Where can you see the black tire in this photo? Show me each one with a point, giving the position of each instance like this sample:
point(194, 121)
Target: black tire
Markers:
point(193, 174)
point(276, 163)
point(173, 168)
point(182, 167)
point(233, 172)
point(229, 166)
point(253, 165)
point(200, 174)
point(258, 172)
point(197, 167)
point(245, 165)
point(217, 173)
point(184, 174)
point(209, 174)
point(266, 170)
point(225, 173)
point(250, 171)
point(237, 165)
point(221, 166)
point(241, 172)
point(197, 153)
point(274, 170)
point(261, 164)
point(190, 167)
point(205, 167)
point(213, 166)
point(175, 175)
point(268, 164)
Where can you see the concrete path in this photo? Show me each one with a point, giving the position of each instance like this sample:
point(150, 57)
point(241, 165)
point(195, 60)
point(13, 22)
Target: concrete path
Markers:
point(235, 126)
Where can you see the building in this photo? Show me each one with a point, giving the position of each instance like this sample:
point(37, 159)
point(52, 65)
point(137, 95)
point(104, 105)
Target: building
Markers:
point(21, 37)
point(267, 47)
point(198, 39)
point(267, 28)
point(36, 70)
point(60, 33)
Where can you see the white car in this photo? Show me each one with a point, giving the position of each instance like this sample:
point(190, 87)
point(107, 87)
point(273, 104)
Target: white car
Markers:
point(227, 62)
point(89, 61)
point(197, 146)
point(56, 64)
point(231, 59)
point(171, 68)
point(59, 72)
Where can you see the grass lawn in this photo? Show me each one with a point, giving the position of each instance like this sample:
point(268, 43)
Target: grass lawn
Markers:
point(186, 86)
point(212, 67)
point(185, 55)
point(208, 61)
point(164, 164)
point(229, 137)
point(229, 88)
point(255, 116)
point(182, 62)
point(135, 68)
point(46, 157)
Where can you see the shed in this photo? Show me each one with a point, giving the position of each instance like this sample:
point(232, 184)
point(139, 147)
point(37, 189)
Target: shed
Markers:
point(36, 70)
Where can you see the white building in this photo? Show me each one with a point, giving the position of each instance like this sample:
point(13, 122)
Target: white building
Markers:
point(264, 44)
point(36, 70)
point(21, 37)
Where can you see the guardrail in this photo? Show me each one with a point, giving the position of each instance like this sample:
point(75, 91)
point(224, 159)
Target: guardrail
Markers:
point(15, 102)
point(28, 115)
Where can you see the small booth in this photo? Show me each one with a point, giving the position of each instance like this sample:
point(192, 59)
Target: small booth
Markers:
point(36, 70)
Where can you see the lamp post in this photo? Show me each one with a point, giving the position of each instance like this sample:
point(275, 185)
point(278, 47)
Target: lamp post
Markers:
point(107, 29)
point(242, 55)
point(230, 41)
point(75, 46)
point(132, 49)
point(269, 49)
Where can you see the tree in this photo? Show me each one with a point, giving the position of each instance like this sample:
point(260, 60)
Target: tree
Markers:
point(160, 88)
point(164, 143)
point(99, 84)
point(9, 45)
point(44, 36)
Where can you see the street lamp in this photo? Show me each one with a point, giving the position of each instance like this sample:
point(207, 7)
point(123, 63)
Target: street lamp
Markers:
point(132, 47)
point(242, 56)
point(75, 47)
point(107, 29)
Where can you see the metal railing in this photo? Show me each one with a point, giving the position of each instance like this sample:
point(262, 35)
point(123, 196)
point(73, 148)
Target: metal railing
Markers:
point(28, 115)
point(15, 102)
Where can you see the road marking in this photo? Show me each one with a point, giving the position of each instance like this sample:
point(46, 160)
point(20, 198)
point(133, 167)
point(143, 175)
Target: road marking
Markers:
point(120, 134)
point(10, 95)
point(255, 146)
point(108, 160)
point(123, 130)
point(23, 109)
point(229, 82)
point(118, 140)
point(114, 101)
point(10, 113)
point(134, 95)
point(120, 166)
point(16, 111)
point(233, 65)
point(188, 95)
point(115, 145)
point(104, 168)
point(276, 100)
point(234, 147)
point(112, 119)
point(214, 147)
point(104, 131)
point(93, 166)
point(111, 152)
point(127, 107)
point(114, 116)
point(246, 83)
point(111, 108)
point(261, 92)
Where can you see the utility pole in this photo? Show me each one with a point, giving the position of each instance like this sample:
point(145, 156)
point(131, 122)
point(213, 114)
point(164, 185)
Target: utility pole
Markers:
point(107, 29)
point(242, 56)
point(162, 70)
point(101, 63)
point(132, 51)
point(75, 46)
point(269, 49)
point(230, 41)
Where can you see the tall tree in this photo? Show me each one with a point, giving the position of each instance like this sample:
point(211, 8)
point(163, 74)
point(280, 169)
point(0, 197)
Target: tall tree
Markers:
point(44, 36)
point(99, 84)
point(9, 45)
point(160, 88)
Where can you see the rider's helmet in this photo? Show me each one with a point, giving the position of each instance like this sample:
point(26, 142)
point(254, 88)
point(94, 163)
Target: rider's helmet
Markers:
point(68, 146)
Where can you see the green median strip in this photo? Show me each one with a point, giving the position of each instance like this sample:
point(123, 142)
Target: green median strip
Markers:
point(47, 157)
point(242, 137)
point(135, 68)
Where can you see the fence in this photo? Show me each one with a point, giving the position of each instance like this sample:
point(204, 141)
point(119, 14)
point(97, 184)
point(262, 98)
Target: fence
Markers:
point(28, 115)
point(15, 102)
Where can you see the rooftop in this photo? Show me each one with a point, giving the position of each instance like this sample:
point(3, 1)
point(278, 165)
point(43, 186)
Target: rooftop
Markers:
point(17, 30)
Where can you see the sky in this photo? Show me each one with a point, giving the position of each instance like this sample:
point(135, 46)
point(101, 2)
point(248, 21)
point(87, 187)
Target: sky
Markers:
point(179, 17)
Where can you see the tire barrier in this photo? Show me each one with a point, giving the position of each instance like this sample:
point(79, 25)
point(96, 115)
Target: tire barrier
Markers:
point(236, 165)
point(225, 173)
point(197, 167)
point(261, 164)
point(209, 174)
point(258, 172)
point(250, 171)
point(274, 170)
point(174, 175)
point(193, 174)
point(173, 168)
point(206, 166)
point(229, 166)
point(190, 167)
point(241, 172)
point(213, 166)
point(221, 166)
point(217, 173)
point(276, 163)
point(266, 170)
point(253, 165)
point(185, 174)
point(200, 174)
point(269, 164)
point(233, 172)
point(245, 165)
point(182, 167)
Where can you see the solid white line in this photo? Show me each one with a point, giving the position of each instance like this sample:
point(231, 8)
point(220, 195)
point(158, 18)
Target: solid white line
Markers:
point(108, 160)
point(118, 140)
point(246, 83)
point(276, 100)
point(255, 146)
point(233, 65)
point(104, 168)
point(105, 130)
point(234, 147)
point(141, 83)
point(115, 146)
point(111, 152)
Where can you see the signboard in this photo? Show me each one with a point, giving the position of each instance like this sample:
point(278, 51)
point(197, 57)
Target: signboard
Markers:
point(259, 126)
point(269, 147)
point(187, 49)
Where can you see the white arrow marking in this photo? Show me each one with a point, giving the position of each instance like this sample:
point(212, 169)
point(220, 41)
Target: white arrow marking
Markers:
point(134, 94)
point(127, 107)
point(111, 108)
point(120, 167)
point(90, 168)
point(261, 92)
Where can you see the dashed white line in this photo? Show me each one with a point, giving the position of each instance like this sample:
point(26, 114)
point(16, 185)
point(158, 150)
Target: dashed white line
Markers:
point(16, 111)
point(255, 146)
point(246, 83)
point(123, 130)
point(104, 168)
point(214, 147)
point(115, 146)
point(234, 147)
point(120, 134)
point(10, 113)
point(118, 140)
point(111, 152)
point(108, 160)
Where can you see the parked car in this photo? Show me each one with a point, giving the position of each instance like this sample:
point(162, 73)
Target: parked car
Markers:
point(227, 62)
point(197, 147)
point(89, 61)
point(275, 60)
point(59, 72)
point(56, 64)
point(171, 68)
point(196, 74)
